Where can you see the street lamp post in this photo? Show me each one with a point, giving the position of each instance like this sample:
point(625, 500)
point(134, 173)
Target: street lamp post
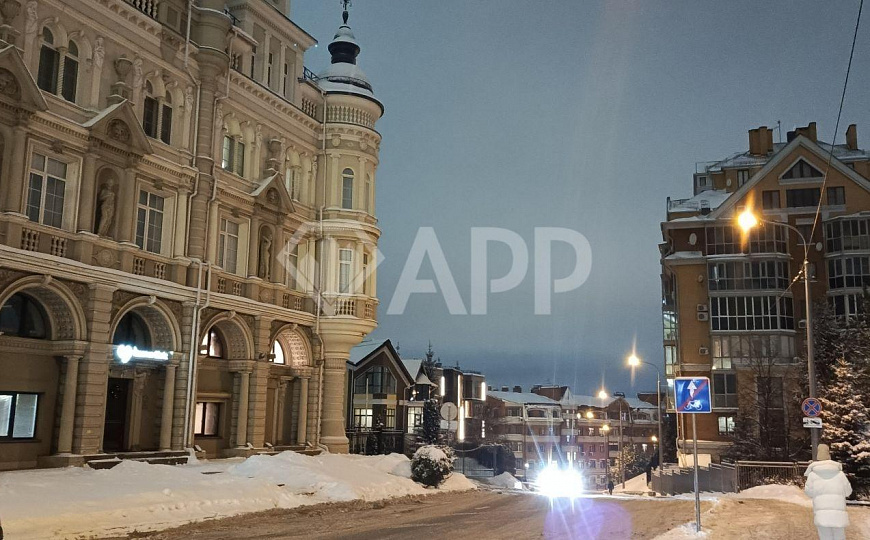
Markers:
point(606, 429)
point(634, 361)
point(747, 220)
point(621, 397)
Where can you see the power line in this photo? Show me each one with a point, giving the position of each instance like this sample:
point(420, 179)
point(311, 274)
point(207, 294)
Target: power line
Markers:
point(837, 125)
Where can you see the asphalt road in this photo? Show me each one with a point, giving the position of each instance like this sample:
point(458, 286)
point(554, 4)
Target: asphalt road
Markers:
point(476, 515)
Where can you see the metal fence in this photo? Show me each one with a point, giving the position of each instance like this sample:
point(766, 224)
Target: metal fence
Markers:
point(728, 477)
point(376, 442)
point(757, 473)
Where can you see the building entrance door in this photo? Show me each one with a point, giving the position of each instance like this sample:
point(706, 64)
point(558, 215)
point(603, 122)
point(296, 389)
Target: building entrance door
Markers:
point(116, 415)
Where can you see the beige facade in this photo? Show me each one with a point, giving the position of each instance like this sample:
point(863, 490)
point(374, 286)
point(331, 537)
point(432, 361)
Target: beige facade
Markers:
point(173, 179)
point(733, 309)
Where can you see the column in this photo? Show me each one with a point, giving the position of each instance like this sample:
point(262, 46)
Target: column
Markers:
point(127, 202)
point(136, 410)
point(68, 406)
point(333, 183)
point(302, 423)
point(213, 224)
point(180, 232)
point(332, 416)
point(254, 247)
point(15, 182)
point(282, 60)
point(88, 188)
point(242, 422)
point(168, 406)
point(280, 406)
point(359, 279)
point(359, 187)
point(278, 257)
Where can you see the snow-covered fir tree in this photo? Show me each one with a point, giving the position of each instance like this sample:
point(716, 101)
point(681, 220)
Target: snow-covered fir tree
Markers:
point(431, 429)
point(847, 426)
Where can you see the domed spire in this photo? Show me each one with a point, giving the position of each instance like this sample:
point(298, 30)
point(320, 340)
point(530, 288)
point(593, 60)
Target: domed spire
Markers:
point(343, 76)
point(344, 48)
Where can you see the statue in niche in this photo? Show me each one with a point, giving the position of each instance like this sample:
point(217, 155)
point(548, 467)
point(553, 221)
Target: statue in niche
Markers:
point(265, 267)
point(106, 206)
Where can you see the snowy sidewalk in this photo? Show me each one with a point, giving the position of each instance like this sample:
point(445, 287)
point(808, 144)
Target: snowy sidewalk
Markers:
point(62, 503)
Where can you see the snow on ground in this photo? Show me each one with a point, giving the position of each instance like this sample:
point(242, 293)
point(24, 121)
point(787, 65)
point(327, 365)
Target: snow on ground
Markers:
point(53, 503)
point(505, 480)
point(633, 485)
point(779, 492)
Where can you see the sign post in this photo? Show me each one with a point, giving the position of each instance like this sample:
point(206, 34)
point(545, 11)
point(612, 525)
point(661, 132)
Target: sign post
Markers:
point(693, 397)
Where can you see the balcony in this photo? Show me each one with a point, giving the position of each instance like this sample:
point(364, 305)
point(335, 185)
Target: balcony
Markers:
point(148, 7)
point(361, 307)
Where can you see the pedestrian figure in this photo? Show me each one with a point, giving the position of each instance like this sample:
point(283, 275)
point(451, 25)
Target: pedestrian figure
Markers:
point(610, 486)
point(828, 487)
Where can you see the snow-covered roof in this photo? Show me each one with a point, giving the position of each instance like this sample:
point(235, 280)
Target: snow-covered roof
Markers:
point(711, 199)
point(679, 255)
point(522, 398)
point(744, 160)
point(579, 400)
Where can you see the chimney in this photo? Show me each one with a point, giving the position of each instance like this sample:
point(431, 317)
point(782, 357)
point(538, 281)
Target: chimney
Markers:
point(754, 142)
point(852, 137)
point(705, 207)
point(789, 136)
point(505, 389)
point(766, 139)
point(518, 389)
point(808, 131)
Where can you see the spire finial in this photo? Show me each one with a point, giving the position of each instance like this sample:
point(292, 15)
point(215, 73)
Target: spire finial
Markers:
point(345, 4)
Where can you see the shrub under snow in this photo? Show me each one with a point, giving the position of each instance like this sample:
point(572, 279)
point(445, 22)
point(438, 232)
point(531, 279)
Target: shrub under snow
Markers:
point(431, 465)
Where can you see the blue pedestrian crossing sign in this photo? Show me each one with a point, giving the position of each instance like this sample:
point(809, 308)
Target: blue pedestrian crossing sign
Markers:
point(692, 395)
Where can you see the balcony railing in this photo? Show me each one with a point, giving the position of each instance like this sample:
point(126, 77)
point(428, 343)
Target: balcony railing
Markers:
point(148, 7)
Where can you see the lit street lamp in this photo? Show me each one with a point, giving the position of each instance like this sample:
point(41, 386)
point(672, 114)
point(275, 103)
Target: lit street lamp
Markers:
point(747, 220)
point(602, 394)
point(634, 361)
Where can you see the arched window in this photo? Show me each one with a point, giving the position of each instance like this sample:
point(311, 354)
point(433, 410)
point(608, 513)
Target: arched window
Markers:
point(278, 354)
point(132, 330)
point(212, 345)
point(22, 316)
point(70, 72)
point(157, 115)
point(49, 62)
point(347, 188)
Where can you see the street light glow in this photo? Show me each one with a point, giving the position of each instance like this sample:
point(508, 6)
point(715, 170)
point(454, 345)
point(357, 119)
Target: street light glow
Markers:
point(747, 220)
point(605, 428)
point(590, 415)
point(655, 439)
point(602, 394)
point(633, 360)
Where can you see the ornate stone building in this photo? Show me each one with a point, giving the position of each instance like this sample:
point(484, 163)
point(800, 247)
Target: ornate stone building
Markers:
point(187, 230)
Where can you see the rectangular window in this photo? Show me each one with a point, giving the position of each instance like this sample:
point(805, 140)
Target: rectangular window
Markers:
point(45, 193)
point(362, 418)
point(228, 246)
point(208, 415)
point(731, 350)
point(726, 425)
point(801, 198)
point(345, 262)
point(770, 199)
point(269, 70)
point(149, 222)
point(847, 235)
point(849, 272)
point(149, 117)
point(18, 415)
point(725, 390)
point(836, 196)
point(847, 305)
point(729, 313)
point(286, 78)
point(728, 240)
point(741, 276)
point(391, 418)
point(166, 125)
point(365, 270)
point(742, 177)
point(368, 195)
point(347, 192)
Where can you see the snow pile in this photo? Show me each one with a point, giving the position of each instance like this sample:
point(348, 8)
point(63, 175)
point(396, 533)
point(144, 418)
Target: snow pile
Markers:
point(505, 480)
point(633, 485)
point(779, 492)
point(137, 496)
